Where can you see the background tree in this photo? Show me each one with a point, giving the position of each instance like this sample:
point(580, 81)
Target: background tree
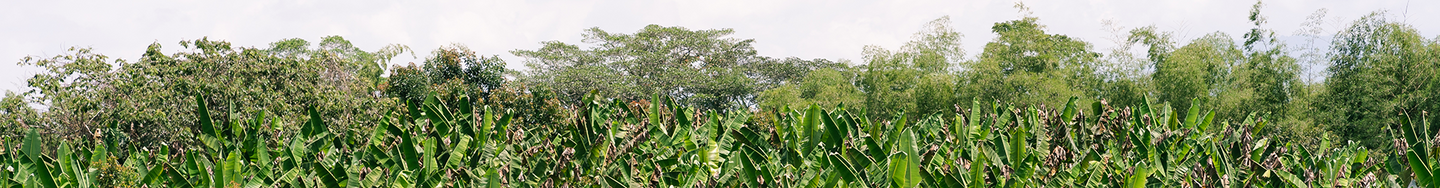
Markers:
point(1125, 79)
point(1380, 69)
point(454, 71)
point(829, 87)
point(16, 116)
point(891, 78)
point(87, 95)
point(699, 67)
point(1268, 70)
point(407, 83)
point(533, 107)
point(772, 72)
point(887, 82)
point(72, 89)
point(1200, 70)
point(935, 94)
point(451, 71)
point(1024, 65)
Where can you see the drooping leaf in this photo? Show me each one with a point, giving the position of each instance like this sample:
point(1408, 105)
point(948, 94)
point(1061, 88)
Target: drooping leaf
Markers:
point(1209, 118)
point(315, 125)
point(202, 113)
point(438, 114)
point(328, 177)
point(502, 127)
point(232, 169)
point(654, 115)
point(1140, 177)
point(836, 133)
point(42, 175)
point(1419, 166)
point(1292, 179)
point(155, 174)
point(1193, 116)
point(492, 178)
point(1068, 114)
point(808, 127)
point(905, 170)
point(32, 145)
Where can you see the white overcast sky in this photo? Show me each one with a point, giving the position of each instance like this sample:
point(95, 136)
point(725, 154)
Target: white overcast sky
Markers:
point(806, 29)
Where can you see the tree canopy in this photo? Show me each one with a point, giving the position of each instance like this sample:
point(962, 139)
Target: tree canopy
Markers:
point(1376, 70)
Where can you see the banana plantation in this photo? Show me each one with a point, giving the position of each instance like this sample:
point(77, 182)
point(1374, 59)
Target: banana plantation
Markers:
point(656, 143)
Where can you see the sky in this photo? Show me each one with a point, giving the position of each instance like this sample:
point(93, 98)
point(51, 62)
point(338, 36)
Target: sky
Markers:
point(828, 29)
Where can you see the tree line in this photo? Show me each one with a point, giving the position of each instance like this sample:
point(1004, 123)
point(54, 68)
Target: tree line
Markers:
point(1376, 70)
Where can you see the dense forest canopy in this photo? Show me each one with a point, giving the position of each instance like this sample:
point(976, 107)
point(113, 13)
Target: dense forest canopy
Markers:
point(1377, 68)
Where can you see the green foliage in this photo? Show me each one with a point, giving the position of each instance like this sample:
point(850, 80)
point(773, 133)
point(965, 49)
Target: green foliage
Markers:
point(615, 144)
point(892, 80)
point(408, 83)
point(827, 88)
point(934, 94)
point(109, 173)
point(1420, 154)
point(784, 96)
point(532, 106)
point(73, 86)
point(1268, 71)
point(87, 95)
point(700, 67)
point(1199, 70)
point(1025, 65)
point(772, 73)
point(451, 71)
point(697, 108)
point(16, 115)
point(1380, 69)
point(888, 81)
point(1256, 77)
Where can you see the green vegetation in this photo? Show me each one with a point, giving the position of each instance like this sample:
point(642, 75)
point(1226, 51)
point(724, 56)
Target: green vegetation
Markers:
point(671, 106)
point(657, 144)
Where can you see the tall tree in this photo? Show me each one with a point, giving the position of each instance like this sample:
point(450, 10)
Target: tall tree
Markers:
point(88, 95)
point(891, 77)
point(700, 67)
point(1024, 65)
point(16, 115)
point(1268, 70)
point(772, 72)
point(451, 71)
point(1380, 69)
point(1200, 70)
point(1125, 80)
point(829, 87)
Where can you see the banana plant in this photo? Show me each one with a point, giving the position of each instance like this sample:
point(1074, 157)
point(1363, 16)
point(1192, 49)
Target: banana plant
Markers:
point(1421, 150)
point(451, 142)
